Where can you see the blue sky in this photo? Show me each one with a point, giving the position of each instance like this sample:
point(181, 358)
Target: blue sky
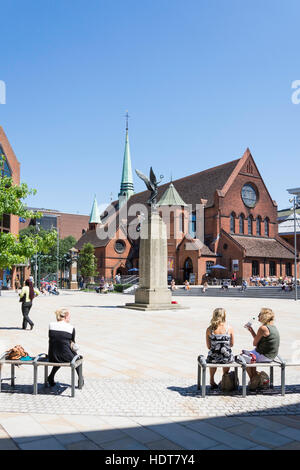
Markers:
point(202, 80)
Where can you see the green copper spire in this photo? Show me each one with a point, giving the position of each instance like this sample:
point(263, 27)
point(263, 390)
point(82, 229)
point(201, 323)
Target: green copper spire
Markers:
point(126, 189)
point(95, 215)
point(171, 197)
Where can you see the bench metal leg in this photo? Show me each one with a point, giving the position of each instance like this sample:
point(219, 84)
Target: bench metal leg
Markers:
point(199, 378)
point(35, 378)
point(271, 377)
point(73, 381)
point(45, 376)
point(282, 380)
point(244, 381)
point(236, 376)
point(0, 376)
point(12, 375)
point(203, 388)
point(80, 377)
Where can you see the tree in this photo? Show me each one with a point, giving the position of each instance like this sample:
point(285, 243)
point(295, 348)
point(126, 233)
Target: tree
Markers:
point(14, 250)
point(87, 261)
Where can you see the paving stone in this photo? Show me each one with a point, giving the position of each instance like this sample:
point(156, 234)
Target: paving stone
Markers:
point(292, 433)
point(83, 445)
point(260, 435)
point(124, 444)
point(290, 446)
point(42, 444)
point(225, 437)
point(163, 444)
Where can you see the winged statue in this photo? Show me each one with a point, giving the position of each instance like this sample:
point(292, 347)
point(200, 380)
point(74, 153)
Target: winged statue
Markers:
point(151, 184)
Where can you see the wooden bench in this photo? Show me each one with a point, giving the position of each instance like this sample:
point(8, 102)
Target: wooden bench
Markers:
point(42, 360)
point(240, 363)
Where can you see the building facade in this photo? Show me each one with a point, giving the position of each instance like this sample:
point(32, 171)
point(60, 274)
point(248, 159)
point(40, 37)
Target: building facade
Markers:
point(237, 227)
point(10, 223)
point(66, 224)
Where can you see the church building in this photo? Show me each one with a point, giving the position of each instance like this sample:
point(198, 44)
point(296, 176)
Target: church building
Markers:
point(221, 216)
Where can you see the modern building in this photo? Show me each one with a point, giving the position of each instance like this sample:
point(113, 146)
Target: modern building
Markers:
point(10, 223)
point(66, 224)
point(223, 215)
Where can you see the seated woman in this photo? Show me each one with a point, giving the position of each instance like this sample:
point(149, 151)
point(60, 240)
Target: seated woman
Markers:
point(219, 340)
point(266, 340)
point(187, 285)
point(61, 335)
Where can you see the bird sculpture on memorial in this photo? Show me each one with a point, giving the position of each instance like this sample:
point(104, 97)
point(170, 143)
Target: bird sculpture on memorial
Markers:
point(151, 184)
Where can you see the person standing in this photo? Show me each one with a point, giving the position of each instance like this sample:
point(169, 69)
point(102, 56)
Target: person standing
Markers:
point(17, 284)
point(27, 295)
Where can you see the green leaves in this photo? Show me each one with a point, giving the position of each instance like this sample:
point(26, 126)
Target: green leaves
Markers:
point(14, 249)
point(87, 261)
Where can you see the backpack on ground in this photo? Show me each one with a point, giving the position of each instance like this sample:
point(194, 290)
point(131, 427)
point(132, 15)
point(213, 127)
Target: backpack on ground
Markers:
point(260, 381)
point(229, 382)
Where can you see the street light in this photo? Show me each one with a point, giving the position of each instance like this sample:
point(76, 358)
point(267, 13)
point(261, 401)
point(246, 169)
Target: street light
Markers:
point(296, 205)
point(36, 255)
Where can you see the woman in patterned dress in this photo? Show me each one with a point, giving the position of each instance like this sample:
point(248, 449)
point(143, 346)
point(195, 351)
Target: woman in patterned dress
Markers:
point(219, 340)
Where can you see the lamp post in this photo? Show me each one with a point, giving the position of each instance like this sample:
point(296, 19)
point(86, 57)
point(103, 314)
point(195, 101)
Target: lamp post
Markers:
point(73, 268)
point(36, 256)
point(295, 200)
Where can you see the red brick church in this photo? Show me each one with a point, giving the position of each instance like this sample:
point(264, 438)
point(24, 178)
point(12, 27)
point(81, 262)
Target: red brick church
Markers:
point(239, 228)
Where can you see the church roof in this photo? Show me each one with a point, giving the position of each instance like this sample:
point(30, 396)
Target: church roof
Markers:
point(127, 179)
point(263, 247)
point(95, 214)
point(195, 187)
point(171, 197)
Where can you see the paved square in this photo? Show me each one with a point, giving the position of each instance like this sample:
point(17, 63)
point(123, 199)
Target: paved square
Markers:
point(140, 379)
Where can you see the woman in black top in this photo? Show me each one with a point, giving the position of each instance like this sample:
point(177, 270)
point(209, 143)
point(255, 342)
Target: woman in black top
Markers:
point(27, 295)
point(61, 335)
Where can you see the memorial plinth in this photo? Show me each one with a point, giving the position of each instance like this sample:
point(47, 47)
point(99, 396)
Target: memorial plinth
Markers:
point(153, 292)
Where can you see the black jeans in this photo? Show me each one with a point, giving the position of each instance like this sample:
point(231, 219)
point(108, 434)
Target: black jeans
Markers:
point(53, 372)
point(26, 306)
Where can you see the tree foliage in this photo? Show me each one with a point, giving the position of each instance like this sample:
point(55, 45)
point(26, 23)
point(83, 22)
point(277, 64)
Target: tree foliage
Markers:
point(87, 261)
point(14, 250)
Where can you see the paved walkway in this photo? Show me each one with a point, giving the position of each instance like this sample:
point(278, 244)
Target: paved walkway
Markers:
point(140, 375)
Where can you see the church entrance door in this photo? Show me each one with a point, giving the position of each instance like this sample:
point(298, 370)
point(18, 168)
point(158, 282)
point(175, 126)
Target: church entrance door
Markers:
point(187, 269)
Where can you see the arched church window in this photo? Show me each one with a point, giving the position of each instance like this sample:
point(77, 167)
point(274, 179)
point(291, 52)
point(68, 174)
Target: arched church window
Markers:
point(232, 222)
point(241, 223)
point(266, 226)
point(258, 225)
point(250, 225)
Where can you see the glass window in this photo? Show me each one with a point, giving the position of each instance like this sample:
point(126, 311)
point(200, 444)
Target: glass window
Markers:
point(250, 225)
point(267, 227)
point(272, 268)
point(5, 170)
point(258, 225)
point(255, 268)
point(181, 222)
point(288, 269)
point(209, 264)
point(120, 246)
point(241, 223)
point(192, 225)
point(232, 222)
point(249, 195)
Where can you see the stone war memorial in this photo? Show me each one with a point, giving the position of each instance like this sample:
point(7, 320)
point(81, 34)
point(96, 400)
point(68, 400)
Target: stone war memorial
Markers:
point(153, 292)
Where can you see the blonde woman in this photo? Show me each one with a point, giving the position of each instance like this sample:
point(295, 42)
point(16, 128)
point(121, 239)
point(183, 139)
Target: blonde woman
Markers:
point(266, 340)
point(61, 335)
point(219, 340)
